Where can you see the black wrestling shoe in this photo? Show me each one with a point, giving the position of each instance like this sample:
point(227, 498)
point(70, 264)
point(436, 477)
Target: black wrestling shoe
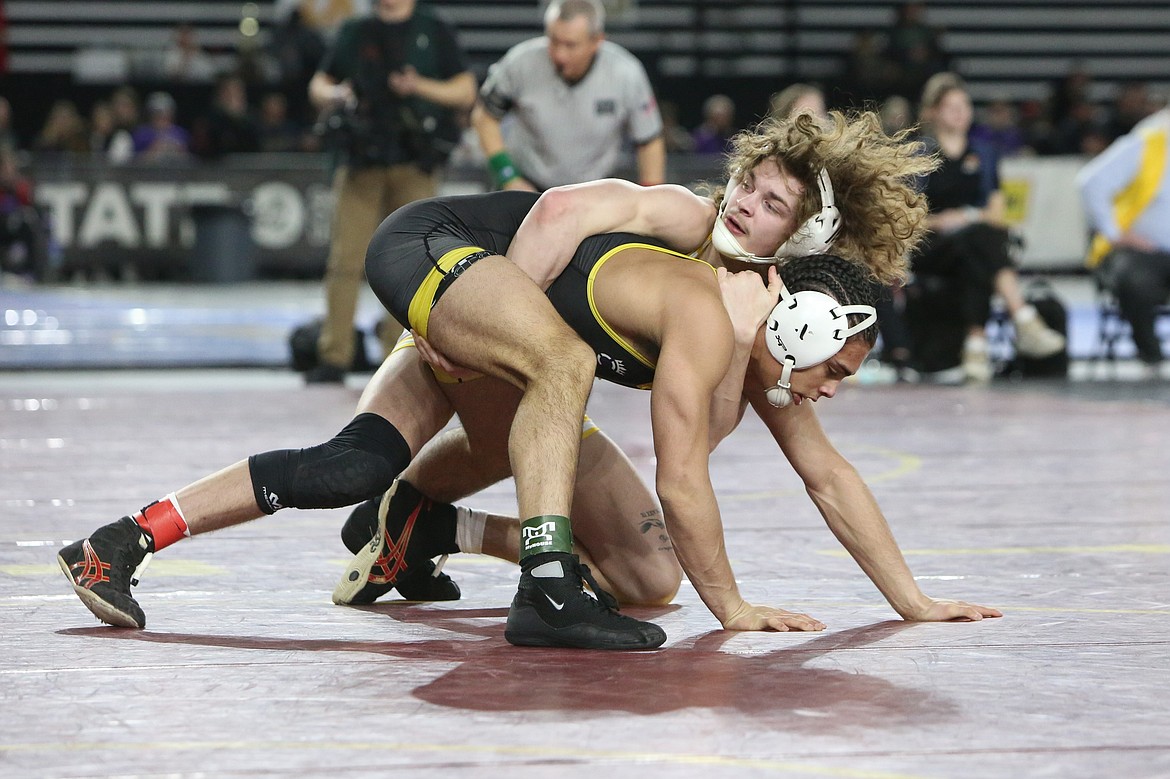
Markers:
point(385, 557)
point(102, 568)
point(551, 608)
point(361, 525)
point(426, 582)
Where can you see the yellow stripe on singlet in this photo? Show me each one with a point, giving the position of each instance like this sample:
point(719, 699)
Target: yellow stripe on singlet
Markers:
point(419, 313)
point(593, 306)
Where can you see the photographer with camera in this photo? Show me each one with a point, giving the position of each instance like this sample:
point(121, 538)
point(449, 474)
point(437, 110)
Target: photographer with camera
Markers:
point(389, 90)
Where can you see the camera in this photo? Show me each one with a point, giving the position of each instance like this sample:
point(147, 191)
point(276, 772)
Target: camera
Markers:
point(398, 133)
point(345, 130)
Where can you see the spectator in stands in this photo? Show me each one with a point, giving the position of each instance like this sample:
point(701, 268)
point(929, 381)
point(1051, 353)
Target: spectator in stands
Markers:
point(915, 49)
point(968, 241)
point(1072, 89)
point(101, 127)
point(1035, 124)
point(798, 97)
point(123, 104)
point(159, 138)
point(64, 131)
point(186, 61)
point(1069, 114)
point(252, 61)
point(573, 99)
point(23, 237)
point(1132, 104)
point(1080, 131)
point(393, 106)
point(16, 189)
point(228, 127)
point(278, 133)
point(1000, 130)
point(869, 73)
point(678, 139)
point(106, 141)
point(713, 135)
point(897, 114)
point(8, 137)
point(1126, 193)
point(297, 49)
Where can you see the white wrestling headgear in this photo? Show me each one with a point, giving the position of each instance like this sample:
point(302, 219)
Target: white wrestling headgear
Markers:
point(805, 329)
point(815, 236)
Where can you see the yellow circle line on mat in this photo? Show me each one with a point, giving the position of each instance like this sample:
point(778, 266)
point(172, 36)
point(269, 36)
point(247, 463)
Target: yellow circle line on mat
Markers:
point(544, 752)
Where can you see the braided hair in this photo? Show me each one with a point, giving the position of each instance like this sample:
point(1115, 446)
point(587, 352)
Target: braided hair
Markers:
point(847, 282)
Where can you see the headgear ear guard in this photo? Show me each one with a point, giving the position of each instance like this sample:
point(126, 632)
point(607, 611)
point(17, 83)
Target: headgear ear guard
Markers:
point(805, 329)
point(815, 236)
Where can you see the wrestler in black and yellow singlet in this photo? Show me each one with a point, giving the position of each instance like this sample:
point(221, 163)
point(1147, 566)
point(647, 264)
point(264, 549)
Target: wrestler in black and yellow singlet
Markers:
point(421, 248)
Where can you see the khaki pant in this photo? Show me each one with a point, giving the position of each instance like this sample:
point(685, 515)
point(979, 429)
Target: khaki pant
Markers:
point(365, 197)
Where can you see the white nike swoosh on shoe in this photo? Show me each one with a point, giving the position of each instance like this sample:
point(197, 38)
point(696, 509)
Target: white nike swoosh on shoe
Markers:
point(557, 606)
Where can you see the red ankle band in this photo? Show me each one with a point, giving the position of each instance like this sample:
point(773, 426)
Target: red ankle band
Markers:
point(163, 522)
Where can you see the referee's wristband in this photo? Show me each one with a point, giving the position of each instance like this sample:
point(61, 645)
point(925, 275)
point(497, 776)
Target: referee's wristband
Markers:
point(503, 169)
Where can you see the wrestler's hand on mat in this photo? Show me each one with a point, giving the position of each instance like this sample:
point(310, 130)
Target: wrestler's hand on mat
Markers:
point(747, 300)
point(749, 617)
point(944, 610)
point(434, 358)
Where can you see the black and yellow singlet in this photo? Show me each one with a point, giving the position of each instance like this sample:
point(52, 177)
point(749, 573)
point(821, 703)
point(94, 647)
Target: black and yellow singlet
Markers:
point(422, 247)
point(618, 361)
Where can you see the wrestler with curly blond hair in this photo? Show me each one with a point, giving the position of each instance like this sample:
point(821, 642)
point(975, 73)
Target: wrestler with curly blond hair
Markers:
point(873, 176)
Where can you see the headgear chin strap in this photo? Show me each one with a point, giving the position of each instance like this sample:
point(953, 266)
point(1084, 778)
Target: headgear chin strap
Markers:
point(805, 329)
point(815, 236)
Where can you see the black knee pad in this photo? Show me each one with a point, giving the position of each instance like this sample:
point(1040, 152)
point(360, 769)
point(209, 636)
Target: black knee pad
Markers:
point(358, 463)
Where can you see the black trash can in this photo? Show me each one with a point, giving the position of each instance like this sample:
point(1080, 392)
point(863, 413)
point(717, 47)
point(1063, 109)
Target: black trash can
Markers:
point(224, 252)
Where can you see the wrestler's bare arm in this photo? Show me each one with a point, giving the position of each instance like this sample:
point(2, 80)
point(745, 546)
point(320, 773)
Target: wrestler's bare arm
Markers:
point(686, 374)
point(689, 369)
point(853, 515)
point(565, 216)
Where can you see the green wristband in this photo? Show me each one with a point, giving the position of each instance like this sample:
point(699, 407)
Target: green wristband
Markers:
point(546, 533)
point(503, 169)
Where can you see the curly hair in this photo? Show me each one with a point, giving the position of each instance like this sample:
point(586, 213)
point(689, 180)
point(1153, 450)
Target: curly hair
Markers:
point(874, 177)
point(843, 280)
